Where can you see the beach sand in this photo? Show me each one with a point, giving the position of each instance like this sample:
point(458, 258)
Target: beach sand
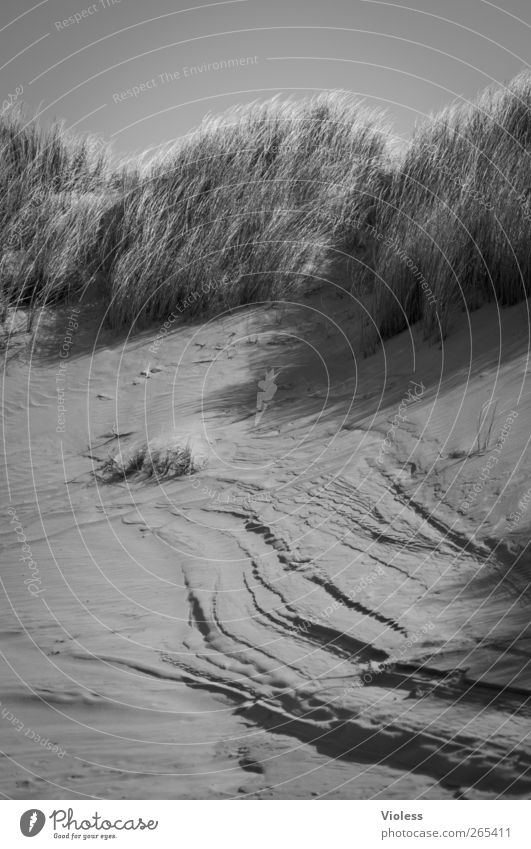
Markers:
point(314, 613)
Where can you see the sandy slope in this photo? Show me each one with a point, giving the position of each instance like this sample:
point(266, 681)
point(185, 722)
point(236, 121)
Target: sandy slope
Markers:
point(297, 619)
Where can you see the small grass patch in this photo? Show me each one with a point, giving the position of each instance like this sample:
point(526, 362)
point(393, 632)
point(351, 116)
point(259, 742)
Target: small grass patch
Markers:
point(160, 459)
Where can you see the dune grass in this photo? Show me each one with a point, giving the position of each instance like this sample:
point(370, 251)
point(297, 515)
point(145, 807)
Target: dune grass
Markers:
point(168, 456)
point(255, 202)
point(244, 208)
point(459, 208)
point(55, 190)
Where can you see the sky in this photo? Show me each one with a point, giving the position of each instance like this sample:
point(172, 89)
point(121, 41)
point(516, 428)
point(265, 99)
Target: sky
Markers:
point(141, 74)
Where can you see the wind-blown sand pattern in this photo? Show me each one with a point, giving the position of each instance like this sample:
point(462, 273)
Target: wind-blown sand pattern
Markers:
point(301, 616)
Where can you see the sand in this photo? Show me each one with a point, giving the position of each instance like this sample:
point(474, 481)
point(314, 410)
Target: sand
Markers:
point(313, 613)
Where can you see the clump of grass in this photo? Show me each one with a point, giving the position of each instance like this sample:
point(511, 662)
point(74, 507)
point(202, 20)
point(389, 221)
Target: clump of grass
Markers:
point(165, 457)
point(55, 190)
point(244, 208)
point(459, 208)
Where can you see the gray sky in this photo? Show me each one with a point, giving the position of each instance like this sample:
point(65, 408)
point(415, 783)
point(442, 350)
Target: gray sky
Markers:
point(409, 58)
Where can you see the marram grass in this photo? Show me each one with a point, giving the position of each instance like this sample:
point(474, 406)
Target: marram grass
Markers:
point(254, 202)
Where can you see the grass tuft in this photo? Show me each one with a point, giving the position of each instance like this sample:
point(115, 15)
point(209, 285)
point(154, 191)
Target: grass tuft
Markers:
point(165, 457)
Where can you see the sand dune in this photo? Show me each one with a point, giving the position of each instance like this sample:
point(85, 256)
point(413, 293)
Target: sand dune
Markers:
point(309, 613)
